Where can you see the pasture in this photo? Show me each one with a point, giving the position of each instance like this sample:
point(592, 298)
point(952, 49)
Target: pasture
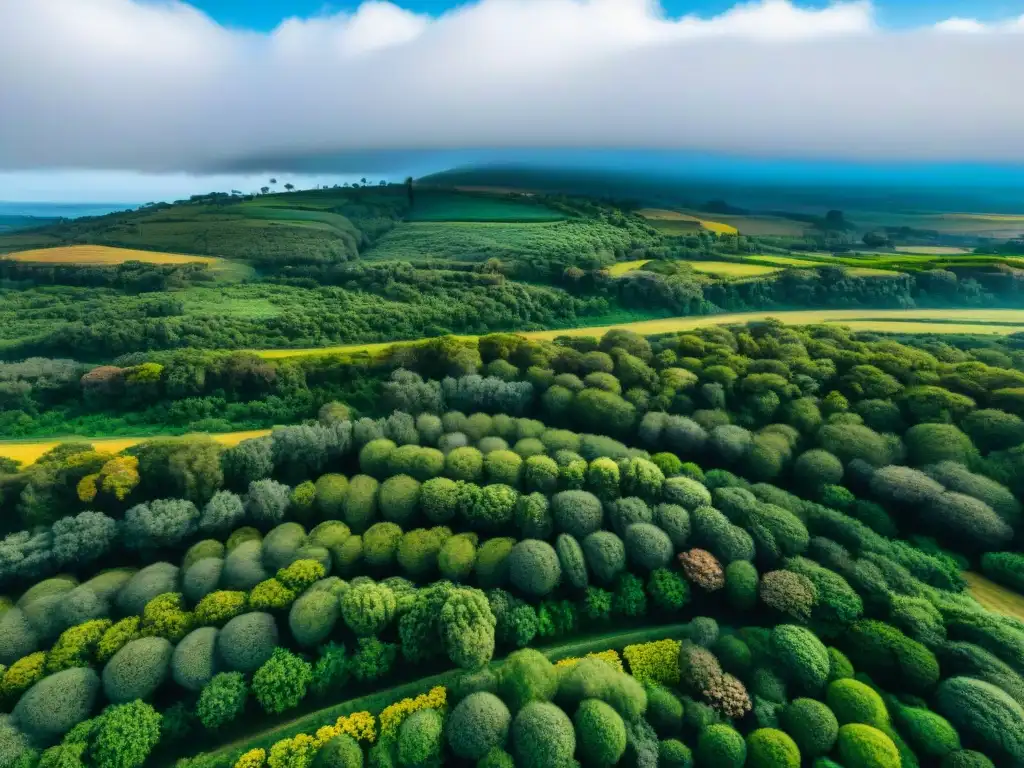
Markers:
point(956, 321)
point(994, 597)
point(455, 206)
point(29, 451)
point(732, 269)
point(104, 255)
point(932, 250)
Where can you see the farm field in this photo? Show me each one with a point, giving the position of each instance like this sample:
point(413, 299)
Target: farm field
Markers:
point(932, 250)
point(29, 451)
point(995, 597)
point(675, 220)
point(732, 269)
point(995, 321)
point(622, 267)
point(103, 255)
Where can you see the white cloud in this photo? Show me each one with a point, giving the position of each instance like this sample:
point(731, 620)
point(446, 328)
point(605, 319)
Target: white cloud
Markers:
point(958, 24)
point(159, 87)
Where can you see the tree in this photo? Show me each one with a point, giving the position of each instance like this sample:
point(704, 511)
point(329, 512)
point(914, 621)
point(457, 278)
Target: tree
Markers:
point(409, 191)
point(264, 190)
point(222, 700)
point(289, 187)
point(281, 682)
point(125, 735)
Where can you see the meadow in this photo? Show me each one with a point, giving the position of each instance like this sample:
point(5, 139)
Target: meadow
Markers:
point(104, 255)
point(995, 597)
point(435, 205)
point(677, 222)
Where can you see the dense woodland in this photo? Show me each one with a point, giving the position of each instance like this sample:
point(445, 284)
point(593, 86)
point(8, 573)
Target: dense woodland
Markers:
point(732, 547)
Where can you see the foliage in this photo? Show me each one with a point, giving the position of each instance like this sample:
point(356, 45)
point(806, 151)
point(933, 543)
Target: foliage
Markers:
point(860, 744)
point(812, 725)
point(600, 733)
point(542, 736)
point(55, 704)
point(721, 745)
point(478, 724)
point(126, 735)
point(281, 681)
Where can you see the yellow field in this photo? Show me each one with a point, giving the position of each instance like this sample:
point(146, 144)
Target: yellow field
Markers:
point(103, 255)
point(663, 214)
point(994, 597)
point(732, 268)
point(933, 250)
point(788, 261)
point(29, 451)
point(622, 267)
point(1012, 218)
point(881, 320)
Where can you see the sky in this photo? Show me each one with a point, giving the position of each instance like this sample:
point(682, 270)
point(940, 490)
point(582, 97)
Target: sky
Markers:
point(135, 100)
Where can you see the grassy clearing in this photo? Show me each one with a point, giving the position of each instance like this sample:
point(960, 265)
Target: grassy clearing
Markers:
point(786, 261)
point(995, 597)
point(932, 250)
point(622, 267)
point(29, 451)
point(961, 321)
point(732, 269)
point(104, 255)
point(375, 702)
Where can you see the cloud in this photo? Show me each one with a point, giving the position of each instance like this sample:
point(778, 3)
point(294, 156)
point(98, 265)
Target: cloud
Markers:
point(158, 87)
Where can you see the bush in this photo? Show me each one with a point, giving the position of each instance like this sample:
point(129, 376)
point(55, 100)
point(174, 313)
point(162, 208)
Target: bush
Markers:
point(380, 545)
point(672, 753)
point(647, 546)
point(125, 735)
point(771, 748)
point(533, 516)
point(542, 736)
point(247, 641)
point(56, 704)
point(668, 590)
point(623, 513)
point(76, 646)
point(571, 560)
point(368, 608)
point(359, 508)
point(374, 457)
point(984, 715)
point(492, 562)
point(137, 670)
point(862, 745)
point(854, 702)
point(882, 650)
point(342, 751)
point(457, 556)
point(281, 545)
point(504, 467)
point(674, 520)
point(966, 758)
point(600, 733)
point(790, 593)
point(527, 676)
point(930, 735)
point(812, 725)
point(492, 507)
point(577, 513)
point(664, 710)
point(153, 580)
point(605, 554)
point(478, 724)
point(721, 746)
point(222, 700)
point(420, 738)
point(534, 568)
point(741, 585)
point(467, 628)
point(541, 474)
point(816, 468)
point(398, 499)
point(701, 568)
point(243, 567)
point(194, 663)
point(312, 617)
point(971, 523)
point(281, 682)
point(686, 492)
point(202, 578)
point(270, 595)
point(1006, 568)
point(801, 655)
point(594, 678)
point(932, 443)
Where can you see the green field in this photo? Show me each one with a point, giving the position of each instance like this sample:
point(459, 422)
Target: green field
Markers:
point(453, 206)
point(994, 596)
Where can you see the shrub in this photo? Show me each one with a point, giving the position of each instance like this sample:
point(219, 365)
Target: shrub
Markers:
point(243, 567)
point(966, 758)
point(703, 569)
point(862, 745)
point(542, 736)
point(398, 499)
point(930, 735)
point(527, 676)
point(577, 513)
point(605, 555)
point(674, 520)
point(457, 556)
point(115, 638)
point(492, 507)
point(603, 478)
point(312, 617)
point(932, 443)
point(165, 616)
point(281, 682)
point(790, 593)
point(467, 628)
point(686, 492)
point(771, 748)
point(202, 578)
point(541, 474)
point(629, 598)
point(533, 516)
point(372, 659)
point(672, 753)
point(342, 751)
point(137, 670)
point(222, 700)
point(647, 546)
point(247, 641)
point(76, 646)
point(368, 608)
point(816, 468)
point(534, 567)
point(741, 585)
point(56, 704)
point(600, 733)
point(879, 649)
point(984, 715)
point(380, 545)
point(359, 508)
point(594, 678)
point(668, 590)
point(657, 662)
point(125, 735)
point(301, 574)
point(571, 560)
point(801, 655)
point(374, 456)
point(492, 562)
point(854, 702)
point(146, 584)
point(270, 595)
point(419, 738)
point(623, 513)
point(439, 499)
point(22, 675)
point(504, 467)
point(478, 724)
point(721, 746)
point(812, 725)
point(194, 662)
point(971, 523)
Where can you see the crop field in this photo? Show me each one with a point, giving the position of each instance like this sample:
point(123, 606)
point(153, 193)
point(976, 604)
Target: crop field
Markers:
point(28, 452)
point(995, 597)
point(954, 321)
point(731, 269)
point(622, 267)
point(676, 222)
point(450, 206)
point(933, 250)
point(103, 255)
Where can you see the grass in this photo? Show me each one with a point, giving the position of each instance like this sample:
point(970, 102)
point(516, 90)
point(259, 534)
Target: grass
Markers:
point(455, 206)
point(622, 267)
point(994, 597)
point(29, 451)
point(378, 700)
point(104, 255)
point(666, 220)
point(944, 321)
point(932, 250)
point(732, 268)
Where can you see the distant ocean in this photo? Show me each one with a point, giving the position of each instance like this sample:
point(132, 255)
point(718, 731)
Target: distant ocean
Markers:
point(62, 210)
